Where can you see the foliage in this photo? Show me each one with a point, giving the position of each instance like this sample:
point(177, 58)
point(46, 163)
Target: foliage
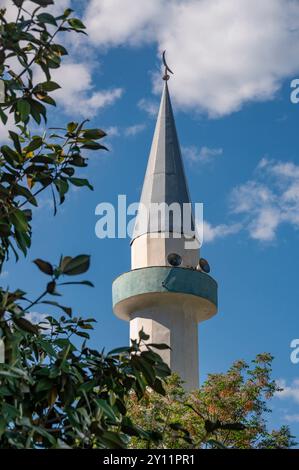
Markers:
point(54, 391)
point(228, 410)
point(33, 162)
point(56, 394)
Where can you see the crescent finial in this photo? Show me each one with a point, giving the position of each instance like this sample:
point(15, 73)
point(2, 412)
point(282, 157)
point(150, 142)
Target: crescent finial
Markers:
point(166, 77)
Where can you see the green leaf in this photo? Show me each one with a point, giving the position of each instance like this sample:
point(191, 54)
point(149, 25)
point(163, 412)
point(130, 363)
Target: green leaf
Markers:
point(67, 12)
point(34, 144)
point(9, 411)
point(10, 155)
point(65, 343)
point(94, 134)
point(77, 160)
point(81, 182)
point(68, 171)
point(162, 369)
point(3, 116)
point(67, 310)
point(8, 373)
point(71, 127)
point(112, 440)
point(43, 3)
point(233, 426)
point(59, 49)
point(43, 159)
point(76, 23)
point(64, 261)
point(144, 367)
point(94, 146)
point(47, 99)
point(78, 265)
point(106, 408)
point(23, 240)
point(85, 326)
point(47, 86)
point(22, 191)
point(82, 283)
point(51, 287)
point(16, 140)
point(62, 188)
point(19, 220)
point(46, 18)
point(23, 108)
point(37, 110)
point(158, 387)
point(43, 384)
point(143, 335)
point(47, 347)
point(159, 346)
point(118, 351)
point(44, 433)
point(83, 334)
point(44, 266)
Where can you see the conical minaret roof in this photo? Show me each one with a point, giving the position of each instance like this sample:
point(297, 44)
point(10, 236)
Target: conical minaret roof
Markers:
point(165, 180)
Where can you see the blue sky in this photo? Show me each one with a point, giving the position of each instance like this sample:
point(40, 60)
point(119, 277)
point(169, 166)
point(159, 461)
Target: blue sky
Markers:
point(239, 134)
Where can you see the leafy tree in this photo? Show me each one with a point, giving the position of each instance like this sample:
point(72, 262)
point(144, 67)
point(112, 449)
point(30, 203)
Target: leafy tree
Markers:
point(228, 410)
point(55, 391)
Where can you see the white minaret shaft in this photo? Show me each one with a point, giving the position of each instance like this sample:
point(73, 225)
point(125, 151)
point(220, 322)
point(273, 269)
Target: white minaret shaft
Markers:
point(164, 294)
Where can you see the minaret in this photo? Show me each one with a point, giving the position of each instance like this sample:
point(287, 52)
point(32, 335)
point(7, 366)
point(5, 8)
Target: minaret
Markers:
point(166, 293)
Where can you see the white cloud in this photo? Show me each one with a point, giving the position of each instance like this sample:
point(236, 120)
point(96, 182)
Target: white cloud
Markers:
point(292, 418)
point(77, 93)
point(224, 52)
point(112, 131)
point(211, 233)
point(115, 22)
point(263, 204)
point(269, 200)
point(291, 391)
point(202, 155)
point(131, 131)
point(149, 106)
point(264, 227)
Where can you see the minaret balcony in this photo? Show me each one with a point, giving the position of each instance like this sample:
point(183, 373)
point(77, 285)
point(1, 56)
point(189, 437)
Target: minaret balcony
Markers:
point(140, 290)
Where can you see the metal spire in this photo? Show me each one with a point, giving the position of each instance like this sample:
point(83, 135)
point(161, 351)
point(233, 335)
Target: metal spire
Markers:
point(165, 180)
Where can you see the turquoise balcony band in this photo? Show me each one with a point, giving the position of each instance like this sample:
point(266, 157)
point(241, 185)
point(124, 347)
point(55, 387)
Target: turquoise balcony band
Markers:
point(164, 279)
